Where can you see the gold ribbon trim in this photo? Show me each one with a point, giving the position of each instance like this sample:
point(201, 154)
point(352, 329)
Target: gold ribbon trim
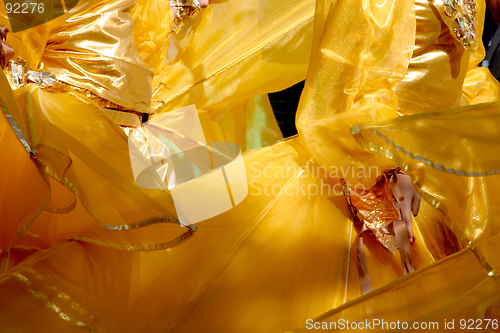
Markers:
point(50, 305)
point(153, 247)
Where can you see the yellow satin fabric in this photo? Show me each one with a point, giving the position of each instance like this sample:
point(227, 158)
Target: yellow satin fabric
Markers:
point(438, 149)
point(469, 203)
point(78, 148)
point(84, 183)
point(450, 291)
point(304, 239)
point(438, 66)
point(73, 139)
point(80, 49)
point(283, 255)
point(213, 66)
point(357, 65)
point(221, 74)
point(246, 120)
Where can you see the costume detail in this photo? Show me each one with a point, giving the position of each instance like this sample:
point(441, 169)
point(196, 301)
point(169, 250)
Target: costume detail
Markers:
point(78, 233)
point(185, 11)
point(376, 209)
point(19, 74)
point(463, 13)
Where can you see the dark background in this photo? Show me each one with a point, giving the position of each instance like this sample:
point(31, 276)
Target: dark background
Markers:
point(284, 105)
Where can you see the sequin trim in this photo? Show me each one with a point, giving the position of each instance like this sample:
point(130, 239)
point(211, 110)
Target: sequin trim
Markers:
point(185, 11)
point(463, 15)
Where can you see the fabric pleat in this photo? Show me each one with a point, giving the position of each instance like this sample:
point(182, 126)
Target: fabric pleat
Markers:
point(388, 84)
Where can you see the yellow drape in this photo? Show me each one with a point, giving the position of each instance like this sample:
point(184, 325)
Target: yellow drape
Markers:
point(285, 254)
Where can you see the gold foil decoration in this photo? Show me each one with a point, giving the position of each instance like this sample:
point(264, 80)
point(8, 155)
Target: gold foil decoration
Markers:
point(376, 208)
point(450, 7)
point(15, 72)
point(19, 74)
point(43, 79)
point(185, 10)
point(462, 14)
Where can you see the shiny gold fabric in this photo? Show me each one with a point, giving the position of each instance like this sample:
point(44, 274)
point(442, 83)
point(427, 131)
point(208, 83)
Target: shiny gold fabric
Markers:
point(435, 55)
point(292, 231)
point(285, 254)
point(441, 73)
point(65, 137)
point(449, 153)
point(62, 152)
point(454, 290)
point(151, 36)
point(212, 66)
point(182, 58)
point(361, 73)
point(77, 51)
point(376, 208)
point(468, 167)
point(80, 50)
